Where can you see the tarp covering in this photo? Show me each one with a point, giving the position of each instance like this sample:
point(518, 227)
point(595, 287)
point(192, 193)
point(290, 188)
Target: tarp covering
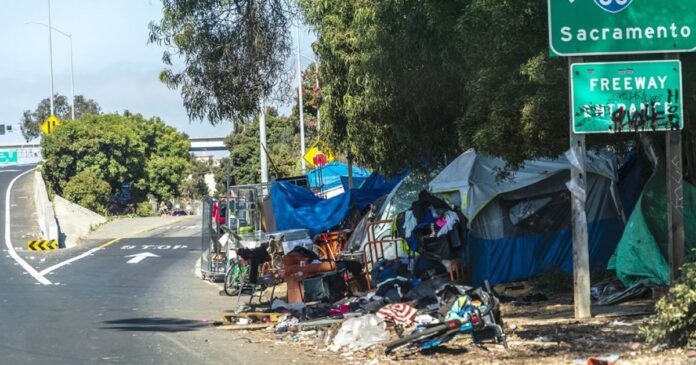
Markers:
point(295, 207)
point(372, 188)
point(642, 251)
point(330, 175)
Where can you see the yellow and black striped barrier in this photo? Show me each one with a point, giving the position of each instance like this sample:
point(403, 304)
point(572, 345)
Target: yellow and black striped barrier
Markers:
point(42, 245)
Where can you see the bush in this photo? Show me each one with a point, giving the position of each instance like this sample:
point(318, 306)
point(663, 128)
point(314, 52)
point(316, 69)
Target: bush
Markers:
point(674, 323)
point(88, 190)
point(144, 209)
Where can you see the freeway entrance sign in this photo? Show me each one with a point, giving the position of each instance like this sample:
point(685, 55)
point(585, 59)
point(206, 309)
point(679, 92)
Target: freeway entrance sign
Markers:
point(626, 96)
point(9, 156)
point(597, 27)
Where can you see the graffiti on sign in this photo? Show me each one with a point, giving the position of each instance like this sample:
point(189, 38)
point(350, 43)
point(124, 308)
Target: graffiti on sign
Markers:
point(627, 97)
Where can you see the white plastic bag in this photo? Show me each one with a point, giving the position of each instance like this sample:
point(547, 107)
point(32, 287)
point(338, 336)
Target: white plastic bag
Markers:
point(361, 332)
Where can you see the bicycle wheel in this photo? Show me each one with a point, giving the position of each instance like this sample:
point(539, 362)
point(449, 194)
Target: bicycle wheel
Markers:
point(433, 331)
point(235, 277)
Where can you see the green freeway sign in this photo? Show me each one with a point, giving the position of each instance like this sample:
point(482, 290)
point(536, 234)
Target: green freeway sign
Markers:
point(596, 27)
point(626, 96)
point(9, 156)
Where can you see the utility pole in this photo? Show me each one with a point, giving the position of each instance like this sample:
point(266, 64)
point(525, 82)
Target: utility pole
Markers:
point(50, 52)
point(299, 97)
point(578, 193)
point(262, 134)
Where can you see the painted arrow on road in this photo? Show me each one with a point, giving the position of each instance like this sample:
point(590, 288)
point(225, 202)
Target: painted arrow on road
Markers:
point(140, 257)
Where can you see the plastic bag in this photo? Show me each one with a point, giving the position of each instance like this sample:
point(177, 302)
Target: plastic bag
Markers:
point(359, 333)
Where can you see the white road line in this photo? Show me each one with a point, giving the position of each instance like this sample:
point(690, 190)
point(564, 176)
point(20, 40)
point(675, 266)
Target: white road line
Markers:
point(69, 261)
point(10, 248)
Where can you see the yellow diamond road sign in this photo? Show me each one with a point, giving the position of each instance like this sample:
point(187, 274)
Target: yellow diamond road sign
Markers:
point(316, 150)
point(50, 124)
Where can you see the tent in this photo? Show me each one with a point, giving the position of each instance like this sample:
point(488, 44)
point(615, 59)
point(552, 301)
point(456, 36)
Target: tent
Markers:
point(520, 220)
point(398, 200)
point(642, 251)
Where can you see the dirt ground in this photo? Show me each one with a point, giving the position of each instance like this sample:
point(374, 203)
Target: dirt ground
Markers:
point(539, 333)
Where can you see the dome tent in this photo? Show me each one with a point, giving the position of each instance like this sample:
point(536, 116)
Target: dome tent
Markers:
point(520, 223)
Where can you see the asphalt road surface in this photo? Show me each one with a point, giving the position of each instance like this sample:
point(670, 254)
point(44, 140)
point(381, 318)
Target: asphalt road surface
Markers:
point(135, 301)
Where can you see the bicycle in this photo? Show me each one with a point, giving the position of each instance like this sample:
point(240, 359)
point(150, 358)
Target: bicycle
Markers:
point(482, 320)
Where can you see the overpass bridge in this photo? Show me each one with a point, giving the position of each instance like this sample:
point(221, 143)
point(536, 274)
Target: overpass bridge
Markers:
point(26, 153)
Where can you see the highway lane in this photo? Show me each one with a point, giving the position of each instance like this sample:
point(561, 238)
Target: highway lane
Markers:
point(103, 309)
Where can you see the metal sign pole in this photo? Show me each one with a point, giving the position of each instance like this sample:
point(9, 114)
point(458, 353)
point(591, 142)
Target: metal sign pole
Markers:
point(675, 197)
point(578, 190)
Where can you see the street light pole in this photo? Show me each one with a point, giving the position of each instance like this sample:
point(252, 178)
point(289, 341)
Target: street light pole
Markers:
point(50, 52)
point(72, 65)
point(316, 67)
point(72, 79)
point(299, 95)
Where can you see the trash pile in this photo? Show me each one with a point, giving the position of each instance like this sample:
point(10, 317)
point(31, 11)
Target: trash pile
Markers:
point(426, 317)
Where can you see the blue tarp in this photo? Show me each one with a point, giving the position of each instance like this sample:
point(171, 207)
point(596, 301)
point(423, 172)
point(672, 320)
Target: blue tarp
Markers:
point(373, 188)
point(331, 175)
point(295, 207)
point(512, 259)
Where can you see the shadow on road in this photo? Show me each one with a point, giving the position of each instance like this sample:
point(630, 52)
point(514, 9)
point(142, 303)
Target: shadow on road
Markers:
point(154, 325)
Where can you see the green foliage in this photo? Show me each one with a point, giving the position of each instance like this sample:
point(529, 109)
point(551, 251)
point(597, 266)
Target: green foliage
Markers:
point(144, 209)
point(89, 190)
point(283, 144)
point(195, 186)
point(146, 153)
point(31, 121)
point(234, 52)
point(404, 81)
point(674, 323)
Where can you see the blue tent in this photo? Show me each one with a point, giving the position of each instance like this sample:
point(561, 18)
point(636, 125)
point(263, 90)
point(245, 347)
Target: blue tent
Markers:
point(520, 225)
point(331, 175)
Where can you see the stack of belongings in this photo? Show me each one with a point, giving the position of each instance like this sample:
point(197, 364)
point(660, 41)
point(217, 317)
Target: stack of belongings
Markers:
point(434, 232)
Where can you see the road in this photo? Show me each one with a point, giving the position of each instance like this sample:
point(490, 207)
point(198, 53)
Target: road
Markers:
point(101, 309)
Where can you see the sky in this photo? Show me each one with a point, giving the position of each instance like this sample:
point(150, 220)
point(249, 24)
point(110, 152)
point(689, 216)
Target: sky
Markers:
point(113, 62)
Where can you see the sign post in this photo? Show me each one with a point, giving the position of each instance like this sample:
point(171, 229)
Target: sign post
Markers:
point(578, 192)
point(622, 97)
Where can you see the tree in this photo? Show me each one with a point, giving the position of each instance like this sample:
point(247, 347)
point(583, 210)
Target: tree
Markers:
point(234, 52)
point(167, 154)
point(89, 190)
point(407, 81)
point(31, 121)
point(282, 142)
point(145, 153)
point(391, 78)
point(195, 187)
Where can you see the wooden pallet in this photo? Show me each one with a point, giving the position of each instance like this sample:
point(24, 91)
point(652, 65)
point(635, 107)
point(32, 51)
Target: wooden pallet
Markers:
point(230, 317)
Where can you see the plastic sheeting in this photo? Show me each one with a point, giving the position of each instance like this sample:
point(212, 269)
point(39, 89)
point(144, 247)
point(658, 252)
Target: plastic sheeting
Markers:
point(331, 175)
point(640, 255)
point(295, 207)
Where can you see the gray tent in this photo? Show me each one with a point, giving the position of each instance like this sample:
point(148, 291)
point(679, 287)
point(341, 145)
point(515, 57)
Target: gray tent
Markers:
point(520, 223)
